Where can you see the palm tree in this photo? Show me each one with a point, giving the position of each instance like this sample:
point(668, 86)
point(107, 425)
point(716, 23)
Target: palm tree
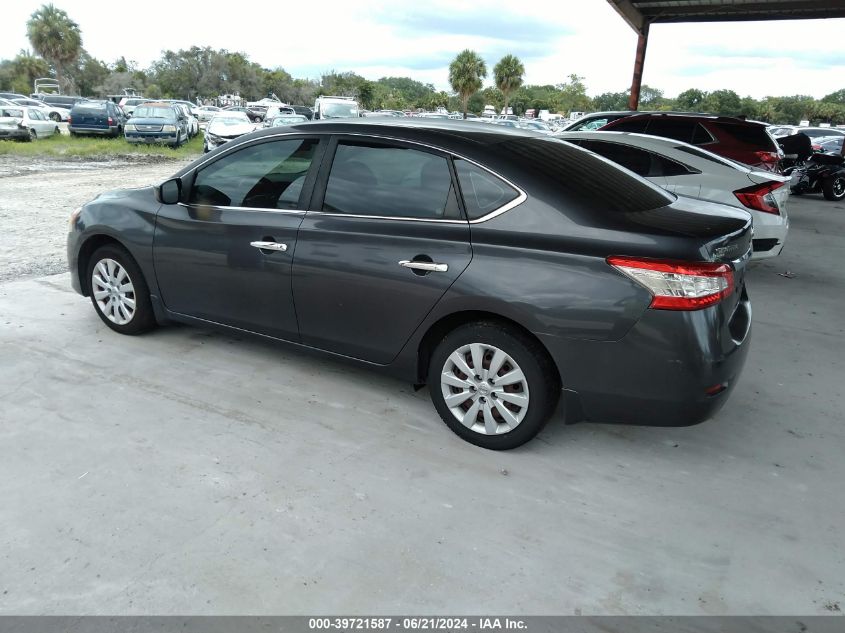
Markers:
point(465, 74)
point(508, 75)
point(55, 37)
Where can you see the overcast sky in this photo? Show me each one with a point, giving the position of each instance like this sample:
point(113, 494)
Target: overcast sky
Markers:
point(418, 39)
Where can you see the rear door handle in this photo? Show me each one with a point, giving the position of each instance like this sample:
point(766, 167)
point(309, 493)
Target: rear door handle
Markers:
point(269, 246)
point(428, 266)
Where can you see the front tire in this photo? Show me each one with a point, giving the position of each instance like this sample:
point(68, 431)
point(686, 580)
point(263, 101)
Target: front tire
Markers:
point(119, 291)
point(493, 385)
point(833, 188)
point(33, 135)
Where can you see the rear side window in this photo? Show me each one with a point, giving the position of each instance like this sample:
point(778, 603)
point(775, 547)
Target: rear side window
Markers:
point(263, 176)
point(755, 135)
point(678, 129)
point(589, 180)
point(483, 192)
point(639, 161)
point(630, 125)
point(390, 181)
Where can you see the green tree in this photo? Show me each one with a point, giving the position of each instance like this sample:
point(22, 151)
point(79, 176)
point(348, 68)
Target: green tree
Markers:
point(724, 102)
point(508, 74)
point(55, 37)
point(610, 101)
point(690, 100)
point(835, 97)
point(465, 74)
point(89, 74)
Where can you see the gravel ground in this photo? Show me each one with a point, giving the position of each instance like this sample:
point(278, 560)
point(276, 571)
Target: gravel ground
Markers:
point(37, 195)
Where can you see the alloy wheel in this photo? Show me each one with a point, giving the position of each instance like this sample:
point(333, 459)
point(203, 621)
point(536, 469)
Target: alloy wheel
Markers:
point(113, 291)
point(485, 389)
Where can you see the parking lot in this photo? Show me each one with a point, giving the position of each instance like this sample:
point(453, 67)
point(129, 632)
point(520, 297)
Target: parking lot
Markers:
point(193, 472)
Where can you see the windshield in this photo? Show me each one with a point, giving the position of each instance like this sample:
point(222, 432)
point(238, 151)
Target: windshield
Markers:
point(154, 112)
point(339, 110)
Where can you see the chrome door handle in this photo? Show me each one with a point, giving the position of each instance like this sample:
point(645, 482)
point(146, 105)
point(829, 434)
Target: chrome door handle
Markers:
point(429, 266)
point(269, 246)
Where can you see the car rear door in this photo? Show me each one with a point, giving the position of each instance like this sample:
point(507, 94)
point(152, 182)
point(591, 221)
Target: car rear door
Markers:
point(224, 254)
point(383, 240)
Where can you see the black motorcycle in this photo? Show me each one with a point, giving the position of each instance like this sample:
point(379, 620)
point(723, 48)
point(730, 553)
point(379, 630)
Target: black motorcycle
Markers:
point(812, 172)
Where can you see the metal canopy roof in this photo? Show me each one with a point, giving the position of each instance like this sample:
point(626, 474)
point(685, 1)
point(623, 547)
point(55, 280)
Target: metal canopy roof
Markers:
point(641, 13)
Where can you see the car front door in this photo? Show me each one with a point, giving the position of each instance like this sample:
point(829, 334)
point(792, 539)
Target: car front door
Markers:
point(224, 254)
point(383, 240)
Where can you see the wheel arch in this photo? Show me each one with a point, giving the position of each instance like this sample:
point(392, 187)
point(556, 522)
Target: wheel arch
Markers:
point(89, 246)
point(446, 324)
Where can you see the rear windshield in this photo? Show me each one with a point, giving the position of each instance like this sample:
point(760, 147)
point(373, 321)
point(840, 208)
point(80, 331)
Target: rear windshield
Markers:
point(90, 107)
point(160, 112)
point(16, 113)
point(755, 135)
point(591, 179)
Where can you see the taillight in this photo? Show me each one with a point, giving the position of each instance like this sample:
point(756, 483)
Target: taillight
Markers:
point(69, 120)
point(759, 197)
point(768, 157)
point(111, 121)
point(676, 285)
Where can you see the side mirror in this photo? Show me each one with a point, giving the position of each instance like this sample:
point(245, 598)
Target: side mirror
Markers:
point(170, 191)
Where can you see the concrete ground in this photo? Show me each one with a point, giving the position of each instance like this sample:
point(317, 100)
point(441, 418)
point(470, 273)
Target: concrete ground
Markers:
point(190, 472)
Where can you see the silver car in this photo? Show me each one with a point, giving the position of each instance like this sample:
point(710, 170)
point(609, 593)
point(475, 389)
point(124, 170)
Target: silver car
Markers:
point(692, 171)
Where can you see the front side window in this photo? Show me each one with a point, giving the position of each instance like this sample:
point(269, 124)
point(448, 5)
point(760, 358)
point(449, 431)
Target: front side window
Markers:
point(483, 192)
point(263, 176)
point(390, 181)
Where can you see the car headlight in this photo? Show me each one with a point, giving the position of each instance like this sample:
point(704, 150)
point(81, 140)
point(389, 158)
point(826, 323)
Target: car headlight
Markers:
point(130, 127)
point(168, 128)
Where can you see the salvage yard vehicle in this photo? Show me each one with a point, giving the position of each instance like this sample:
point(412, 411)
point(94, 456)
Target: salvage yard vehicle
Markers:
point(743, 141)
point(330, 107)
point(692, 171)
point(459, 255)
point(25, 123)
point(205, 113)
point(54, 113)
point(157, 122)
point(101, 118)
point(226, 126)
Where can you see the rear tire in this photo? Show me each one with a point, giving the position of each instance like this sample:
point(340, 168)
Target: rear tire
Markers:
point(119, 291)
point(833, 188)
point(33, 135)
point(499, 407)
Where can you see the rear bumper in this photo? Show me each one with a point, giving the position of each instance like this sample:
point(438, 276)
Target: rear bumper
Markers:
point(671, 369)
point(99, 131)
point(14, 134)
point(769, 235)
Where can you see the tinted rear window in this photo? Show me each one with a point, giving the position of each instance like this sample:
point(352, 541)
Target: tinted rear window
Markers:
point(755, 135)
point(590, 179)
point(94, 108)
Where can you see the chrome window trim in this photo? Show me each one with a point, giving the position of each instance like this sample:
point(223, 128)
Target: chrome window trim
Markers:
point(222, 208)
point(521, 197)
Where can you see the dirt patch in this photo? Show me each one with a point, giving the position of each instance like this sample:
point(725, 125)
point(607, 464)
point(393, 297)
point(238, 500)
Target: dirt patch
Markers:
point(38, 194)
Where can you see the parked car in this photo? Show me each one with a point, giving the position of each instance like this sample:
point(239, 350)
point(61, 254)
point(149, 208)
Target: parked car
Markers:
point(813, 132)
point(157, 122)
point(204, 113)
point(828, 144)
point(53, 113)
point(739, 140)
point(96, 118)
point(191, 122)
point(11, 95)
point(629, 299)
point(692, 171)
point(61, 101)
point(25, 123)
point(253, 115)
point(275, 110)
point(286, 119)
point(128, 104)
point(329, 107)
point(224, 127)
point(305, 111)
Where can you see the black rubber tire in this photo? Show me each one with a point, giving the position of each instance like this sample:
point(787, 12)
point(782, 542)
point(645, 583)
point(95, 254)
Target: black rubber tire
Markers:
point(144, 319)
point(33, 135)
point(532, 358)
point(831, 185)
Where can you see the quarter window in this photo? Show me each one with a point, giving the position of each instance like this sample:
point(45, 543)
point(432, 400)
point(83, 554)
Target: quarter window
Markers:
point(263, 176)
point(390, 181)
point(482, 191)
